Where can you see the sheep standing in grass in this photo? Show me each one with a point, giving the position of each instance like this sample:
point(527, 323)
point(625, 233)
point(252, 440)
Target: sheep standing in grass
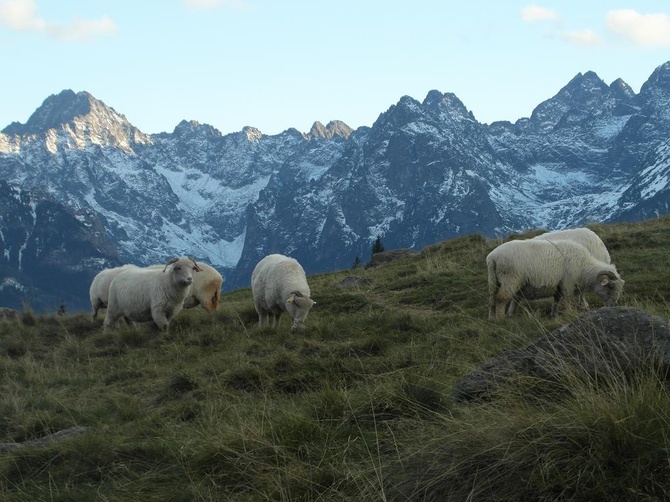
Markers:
point(279, 284)
point(587, 238)
point(206, 288)
point(150, 294)
point(99, 290)
point(538, 268)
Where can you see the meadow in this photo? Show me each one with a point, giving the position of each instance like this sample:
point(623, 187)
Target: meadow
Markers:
point(356, 407)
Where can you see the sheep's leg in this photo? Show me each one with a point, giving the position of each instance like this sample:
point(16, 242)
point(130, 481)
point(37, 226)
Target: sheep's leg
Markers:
point(581, 301)
point(501, 307)
point(500, 301)
point(110, 320)
point(492, 304)
point(97, 305)
point(262, 318)
point(500, 297)
point(160, 319)
point(275, 320)
point(562, 298)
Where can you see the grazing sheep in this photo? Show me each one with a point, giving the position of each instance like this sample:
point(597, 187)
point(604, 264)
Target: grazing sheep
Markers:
point(538, 268)
point(150, 294)
point(584, 236)
point(206, 288)
point(587, 238)
point(99, 290)
point(279, 284)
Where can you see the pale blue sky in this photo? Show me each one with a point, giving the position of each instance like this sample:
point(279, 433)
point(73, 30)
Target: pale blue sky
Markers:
point(276, 64)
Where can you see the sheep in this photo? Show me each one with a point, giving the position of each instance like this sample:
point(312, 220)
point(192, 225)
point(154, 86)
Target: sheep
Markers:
point(206, 288)
point(279, 284)
point(587, 238)
point(537, 268)
point(99, 289)
point(150, 294)
point(584, 236)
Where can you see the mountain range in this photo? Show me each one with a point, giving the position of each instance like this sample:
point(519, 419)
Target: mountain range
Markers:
point(83, 189)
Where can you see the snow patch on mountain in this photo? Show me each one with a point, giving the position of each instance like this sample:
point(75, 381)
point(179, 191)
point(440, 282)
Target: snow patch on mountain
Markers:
point(203, 245)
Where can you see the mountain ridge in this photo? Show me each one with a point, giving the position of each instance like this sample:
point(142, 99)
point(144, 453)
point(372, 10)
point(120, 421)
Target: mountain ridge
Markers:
point(424, 171)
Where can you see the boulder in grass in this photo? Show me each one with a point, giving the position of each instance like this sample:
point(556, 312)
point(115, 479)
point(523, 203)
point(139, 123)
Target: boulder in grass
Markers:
point(606, 341)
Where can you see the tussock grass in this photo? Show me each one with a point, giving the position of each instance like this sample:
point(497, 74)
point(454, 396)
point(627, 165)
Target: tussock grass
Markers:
point(584, 437)
point(355, 407)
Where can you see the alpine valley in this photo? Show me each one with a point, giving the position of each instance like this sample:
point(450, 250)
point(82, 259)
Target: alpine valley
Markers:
point(83, 189)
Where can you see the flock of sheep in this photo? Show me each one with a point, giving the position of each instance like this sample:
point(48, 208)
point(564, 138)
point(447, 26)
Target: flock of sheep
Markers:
point(159, 292)
point(555, 264)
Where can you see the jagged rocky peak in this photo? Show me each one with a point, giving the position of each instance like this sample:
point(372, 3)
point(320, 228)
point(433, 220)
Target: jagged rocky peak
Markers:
point(63, 108)
point(660, 77)
point(187, 128)
point(584, 87)
point(655, 92)
point(446, 103)
point(251, 133)
point(586, 94)
point(622, 90)
point(79, 120)
point(405, 111)
point(334, 129)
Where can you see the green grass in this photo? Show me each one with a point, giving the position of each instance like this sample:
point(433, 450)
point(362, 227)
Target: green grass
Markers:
point(356, 407)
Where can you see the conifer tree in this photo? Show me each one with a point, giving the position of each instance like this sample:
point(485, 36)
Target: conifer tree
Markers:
point(377, 247)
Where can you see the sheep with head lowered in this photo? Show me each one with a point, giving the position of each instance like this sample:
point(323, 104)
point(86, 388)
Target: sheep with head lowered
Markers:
point(206, 288)
point(279, 284)
point(587, 238)
point(150, 294)
point(99, 289)
point(537, 268)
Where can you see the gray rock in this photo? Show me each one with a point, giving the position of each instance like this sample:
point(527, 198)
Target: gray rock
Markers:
point(352, 281)
point(46, 440)
point(606, 341)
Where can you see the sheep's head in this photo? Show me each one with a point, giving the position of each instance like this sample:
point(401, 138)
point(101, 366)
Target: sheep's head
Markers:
point(182, 270)
point(609, 287)
point(298, 306)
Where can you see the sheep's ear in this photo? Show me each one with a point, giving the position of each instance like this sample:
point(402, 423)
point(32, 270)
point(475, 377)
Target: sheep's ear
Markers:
point(170, 262)
point(291, 299)
point(195, 265)
point(604, 281)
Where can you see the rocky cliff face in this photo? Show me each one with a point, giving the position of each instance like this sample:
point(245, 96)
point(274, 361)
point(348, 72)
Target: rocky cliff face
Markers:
point(49, 252)
point(423, 172)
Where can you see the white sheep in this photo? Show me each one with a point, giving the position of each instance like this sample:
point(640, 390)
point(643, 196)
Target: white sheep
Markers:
point(584, 236)
point(587, 238)
point(99, 289)
point(150, 294)
point(536, 268)
point(206, 288)
point(279, 284)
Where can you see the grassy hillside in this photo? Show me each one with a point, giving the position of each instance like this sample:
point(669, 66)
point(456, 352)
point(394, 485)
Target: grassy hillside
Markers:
point(356, 407)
